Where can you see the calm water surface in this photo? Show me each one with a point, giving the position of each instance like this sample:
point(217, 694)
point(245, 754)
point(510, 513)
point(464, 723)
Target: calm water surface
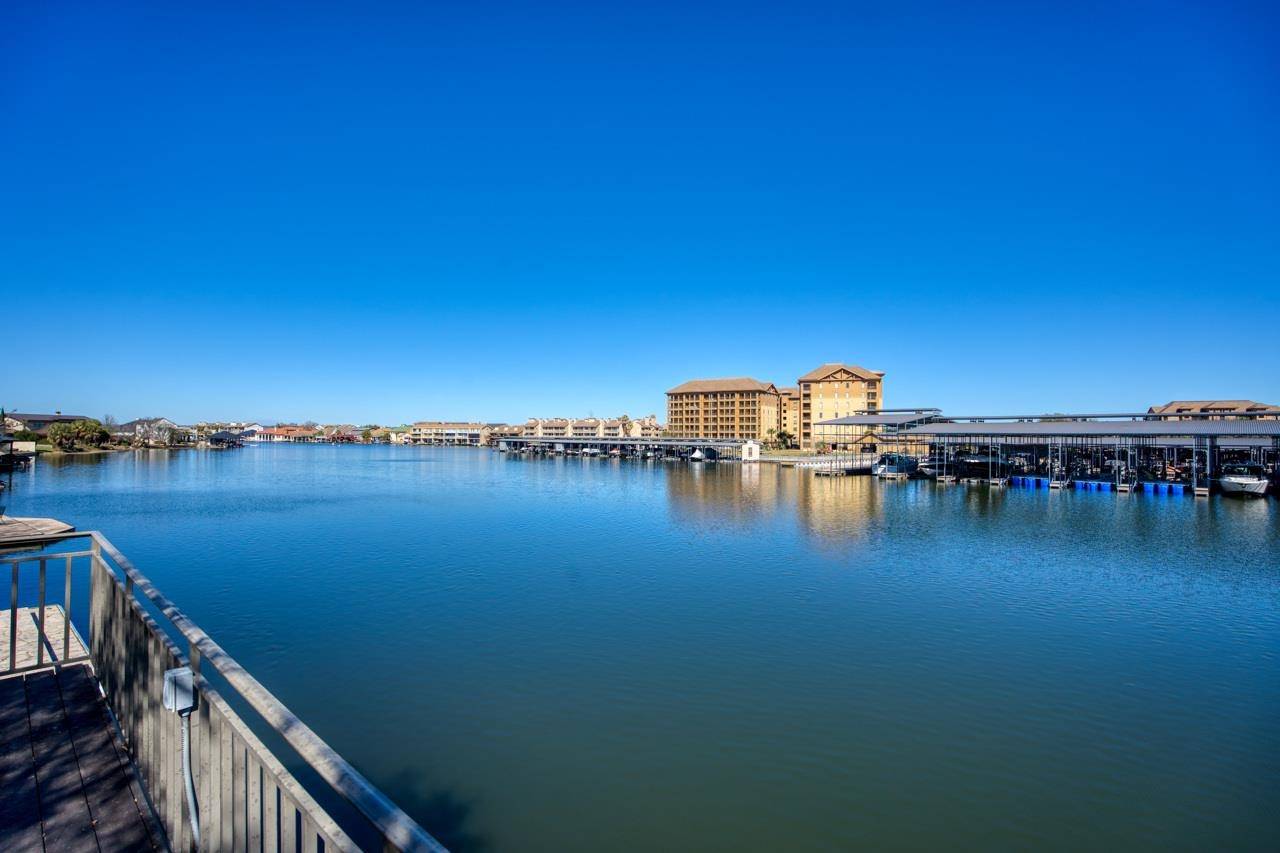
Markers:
point(591, 654)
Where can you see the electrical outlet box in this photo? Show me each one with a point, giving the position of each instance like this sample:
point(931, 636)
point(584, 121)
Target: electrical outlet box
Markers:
point(179, 690)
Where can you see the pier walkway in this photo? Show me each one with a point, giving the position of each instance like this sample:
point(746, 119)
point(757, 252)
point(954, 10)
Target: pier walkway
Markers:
point(15, 531)
point(67, 781)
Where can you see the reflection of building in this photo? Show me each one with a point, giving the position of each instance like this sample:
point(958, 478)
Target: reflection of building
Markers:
point(1216, 409)
point(723, 408)
point(836, 391)
point(837, 508)
point(717, 495)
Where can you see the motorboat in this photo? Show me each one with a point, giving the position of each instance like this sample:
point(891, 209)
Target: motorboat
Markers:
point(936, 465)
point(1243, 479)
point(895, 463)
point(697, 456)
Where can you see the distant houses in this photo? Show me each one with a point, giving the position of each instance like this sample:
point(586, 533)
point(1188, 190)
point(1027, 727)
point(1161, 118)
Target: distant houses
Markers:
point(150, 432)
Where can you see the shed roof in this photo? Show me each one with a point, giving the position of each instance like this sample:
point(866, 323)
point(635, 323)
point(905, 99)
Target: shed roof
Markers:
point(1096, 429)
point(897, 419)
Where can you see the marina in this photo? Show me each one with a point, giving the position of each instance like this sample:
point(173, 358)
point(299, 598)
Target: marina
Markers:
point(1134, 453)
point(496, 639)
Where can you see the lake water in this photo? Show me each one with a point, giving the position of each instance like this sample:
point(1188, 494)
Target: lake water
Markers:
point(539, 654)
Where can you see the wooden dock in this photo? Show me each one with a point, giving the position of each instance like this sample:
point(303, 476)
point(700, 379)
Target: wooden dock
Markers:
point(19, 531)
point(60, 640)
point(67, 781)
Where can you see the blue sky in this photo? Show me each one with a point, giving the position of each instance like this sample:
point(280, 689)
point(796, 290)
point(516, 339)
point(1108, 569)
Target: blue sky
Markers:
point(496, 211)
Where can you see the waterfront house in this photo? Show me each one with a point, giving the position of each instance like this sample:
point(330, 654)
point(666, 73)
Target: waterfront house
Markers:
point(286, 433)
point(38, 423)
point(151, 432)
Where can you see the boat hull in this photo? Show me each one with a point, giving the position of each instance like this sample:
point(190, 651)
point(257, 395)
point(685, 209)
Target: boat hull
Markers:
point(1245, 486)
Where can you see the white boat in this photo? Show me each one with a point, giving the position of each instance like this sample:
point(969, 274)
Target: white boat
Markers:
point(697, 456)
point(1243, 480)
point(895, 463)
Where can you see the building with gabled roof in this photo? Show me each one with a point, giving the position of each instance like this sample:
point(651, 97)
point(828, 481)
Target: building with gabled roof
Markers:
point(1216, 408)
point(836, 390)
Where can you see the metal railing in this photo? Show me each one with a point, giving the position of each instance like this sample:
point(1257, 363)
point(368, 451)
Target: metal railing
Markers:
point(247, 799)
point(48, 649)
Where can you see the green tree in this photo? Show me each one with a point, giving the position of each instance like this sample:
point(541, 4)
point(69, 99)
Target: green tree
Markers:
point(90, 433)
point(784, 438)
point(62, 436)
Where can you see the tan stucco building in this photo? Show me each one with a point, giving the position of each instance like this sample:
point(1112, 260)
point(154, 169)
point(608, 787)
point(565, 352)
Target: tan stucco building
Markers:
point(1216, 409)
point(740, 407)
point(789, 413)
point(835, 391)
point(449, 432)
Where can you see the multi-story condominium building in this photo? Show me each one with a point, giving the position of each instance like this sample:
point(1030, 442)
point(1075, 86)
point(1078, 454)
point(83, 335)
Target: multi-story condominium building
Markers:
point(449, 432)
point(547, 427)
point(789, 413)
point(835, 391)
point(741, 408)
point(1216, 409)
point(619, 427)
point(625, 427)
point(501, 432)
point(586, 428)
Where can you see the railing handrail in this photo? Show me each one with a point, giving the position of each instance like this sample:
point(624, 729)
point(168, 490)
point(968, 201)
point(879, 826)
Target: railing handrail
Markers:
point(396, 827)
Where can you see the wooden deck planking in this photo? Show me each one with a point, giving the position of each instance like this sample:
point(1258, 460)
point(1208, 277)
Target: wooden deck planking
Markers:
point(64, 812)
point(66, 780)
point(118, 820)
point(19, 803)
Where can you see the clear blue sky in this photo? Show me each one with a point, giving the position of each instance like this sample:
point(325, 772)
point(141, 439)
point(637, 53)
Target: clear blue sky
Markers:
point(494, 211)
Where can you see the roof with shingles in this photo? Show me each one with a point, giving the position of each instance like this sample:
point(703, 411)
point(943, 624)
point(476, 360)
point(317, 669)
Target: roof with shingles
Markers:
point(822, 372)
point(1192, 406)
point(737, 383)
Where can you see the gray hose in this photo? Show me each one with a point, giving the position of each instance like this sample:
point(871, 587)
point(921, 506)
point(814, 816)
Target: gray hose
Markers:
point(192, 807)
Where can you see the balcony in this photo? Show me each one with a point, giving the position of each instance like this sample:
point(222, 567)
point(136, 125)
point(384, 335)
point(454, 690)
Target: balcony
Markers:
point(94, 759)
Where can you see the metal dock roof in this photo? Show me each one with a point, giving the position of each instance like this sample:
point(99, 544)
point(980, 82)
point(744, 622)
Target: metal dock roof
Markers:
point(1217, 428)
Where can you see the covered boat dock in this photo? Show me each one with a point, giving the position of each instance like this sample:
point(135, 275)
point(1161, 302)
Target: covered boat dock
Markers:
point(1106, 451)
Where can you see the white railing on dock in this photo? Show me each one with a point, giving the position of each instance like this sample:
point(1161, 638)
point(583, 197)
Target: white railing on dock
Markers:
point(841, 461)
point(246, 797)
